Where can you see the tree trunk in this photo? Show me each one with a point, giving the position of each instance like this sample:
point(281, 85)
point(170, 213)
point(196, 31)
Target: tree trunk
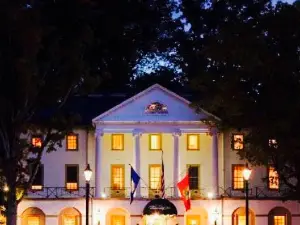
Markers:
point(11, 207)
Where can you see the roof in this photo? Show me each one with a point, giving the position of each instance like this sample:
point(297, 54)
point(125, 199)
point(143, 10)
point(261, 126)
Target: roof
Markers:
point(89, 107)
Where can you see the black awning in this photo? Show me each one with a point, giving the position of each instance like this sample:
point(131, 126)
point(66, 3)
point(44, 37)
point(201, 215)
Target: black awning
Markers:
point(160, 206)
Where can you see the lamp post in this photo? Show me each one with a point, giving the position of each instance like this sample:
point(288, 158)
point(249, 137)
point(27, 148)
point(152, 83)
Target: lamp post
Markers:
point(87, 175)
point(246, 175)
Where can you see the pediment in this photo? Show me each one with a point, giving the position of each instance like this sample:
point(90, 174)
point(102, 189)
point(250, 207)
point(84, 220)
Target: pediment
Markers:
point(156, 103)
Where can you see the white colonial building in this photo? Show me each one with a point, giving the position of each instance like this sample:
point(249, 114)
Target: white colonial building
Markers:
point(135, 132)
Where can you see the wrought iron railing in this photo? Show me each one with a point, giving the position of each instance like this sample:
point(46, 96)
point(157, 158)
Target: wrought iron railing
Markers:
point(146, 193)
point(59, 192)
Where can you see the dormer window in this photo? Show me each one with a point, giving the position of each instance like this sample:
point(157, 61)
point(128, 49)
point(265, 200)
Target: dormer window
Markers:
point(157, 108)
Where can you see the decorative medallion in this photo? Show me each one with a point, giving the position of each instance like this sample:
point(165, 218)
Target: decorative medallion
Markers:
point(156, 108)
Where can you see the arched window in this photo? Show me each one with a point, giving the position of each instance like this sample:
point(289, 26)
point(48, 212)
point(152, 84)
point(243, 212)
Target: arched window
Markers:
point(117, 216)
point(239, 217)
point(33, 216)
point(279, 216)
point(70, 216)
point(156, 108)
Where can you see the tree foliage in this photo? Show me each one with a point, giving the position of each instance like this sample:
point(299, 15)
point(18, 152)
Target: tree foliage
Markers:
point(243, 59)
point(51, 50)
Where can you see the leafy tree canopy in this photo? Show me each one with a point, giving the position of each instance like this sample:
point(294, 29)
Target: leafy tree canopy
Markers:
point(242, 56)
point(51, 50)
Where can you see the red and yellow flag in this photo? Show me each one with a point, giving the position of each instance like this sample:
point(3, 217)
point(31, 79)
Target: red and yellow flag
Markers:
point(184, 189)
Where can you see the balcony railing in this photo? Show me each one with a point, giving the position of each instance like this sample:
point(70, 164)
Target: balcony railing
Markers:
point(146, 193)
point(59, 192)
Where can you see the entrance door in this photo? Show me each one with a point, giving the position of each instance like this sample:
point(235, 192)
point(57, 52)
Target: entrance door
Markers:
point(193, 220)
point(117, 220)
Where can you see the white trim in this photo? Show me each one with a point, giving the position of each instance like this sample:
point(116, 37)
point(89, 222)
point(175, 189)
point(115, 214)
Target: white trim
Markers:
point(126, 102)
point(150, 122)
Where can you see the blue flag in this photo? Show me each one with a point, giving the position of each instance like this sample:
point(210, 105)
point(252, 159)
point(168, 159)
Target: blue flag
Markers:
point(135, 179)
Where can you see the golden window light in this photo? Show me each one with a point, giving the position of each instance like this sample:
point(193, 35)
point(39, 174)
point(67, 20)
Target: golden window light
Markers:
point(238, 179)
point(117, 142)
point(72, 186)
point(193, 141)
point(72, 142)
point(155, 176)
point(273, 179)
point(238, 142)
point(155, 142)
point(37, 187)
point(36, 142)
point(279, 220)
point(33, 220)
point(69, 220)
point(117, 177)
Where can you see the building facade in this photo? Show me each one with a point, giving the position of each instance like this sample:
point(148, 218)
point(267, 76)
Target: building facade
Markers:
point(153, 126)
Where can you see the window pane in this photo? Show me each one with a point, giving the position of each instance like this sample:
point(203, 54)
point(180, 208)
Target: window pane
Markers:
point(155, 177)
point(72, 141)
point(193, 141)
point(117, 142)
point(279, 220)
point(241, 220)
point(155, 142)
point(37, 183)
point(238, 179)
point(194, 177)
point(273, 178)
point(36, 142)
point(193, 220)
point(69, 220)
point(72, 177)
point(117, 177)
point(33, 220)
point(238, 141)
point(117, 220)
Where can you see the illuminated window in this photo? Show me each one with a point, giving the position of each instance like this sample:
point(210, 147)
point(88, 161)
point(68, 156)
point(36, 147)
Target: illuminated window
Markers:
point(273, 178)
point(72, 142)
point(193, 220)
point(238, 179)
point(72, 177)
point(2, 218)
point(194, 176)
point(155, 142)
point(33, 220)
point(155, 176)
point(36, 142)
point(117, 220)
point(239, 217)
point(193, 142)
point(238, 142)
point(117, 142)
point(69, 220)
point(279, 220)
point(38, 181)
point(241, 220)
point(156, 108)
point(117, 177)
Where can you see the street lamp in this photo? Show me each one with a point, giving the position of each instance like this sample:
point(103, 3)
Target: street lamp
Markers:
point(87, 175)
point(246, 175)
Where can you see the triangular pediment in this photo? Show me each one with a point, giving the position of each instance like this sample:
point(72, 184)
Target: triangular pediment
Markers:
point(156, 103)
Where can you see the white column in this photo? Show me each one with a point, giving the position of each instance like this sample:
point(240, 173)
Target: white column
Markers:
point(137, 158)
point(176, 162)
point(98, 137)
point(215, 164)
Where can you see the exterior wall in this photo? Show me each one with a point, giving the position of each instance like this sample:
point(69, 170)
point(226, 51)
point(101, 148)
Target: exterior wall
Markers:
point(127, 120)
point(54, 162)
point(100, 209)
